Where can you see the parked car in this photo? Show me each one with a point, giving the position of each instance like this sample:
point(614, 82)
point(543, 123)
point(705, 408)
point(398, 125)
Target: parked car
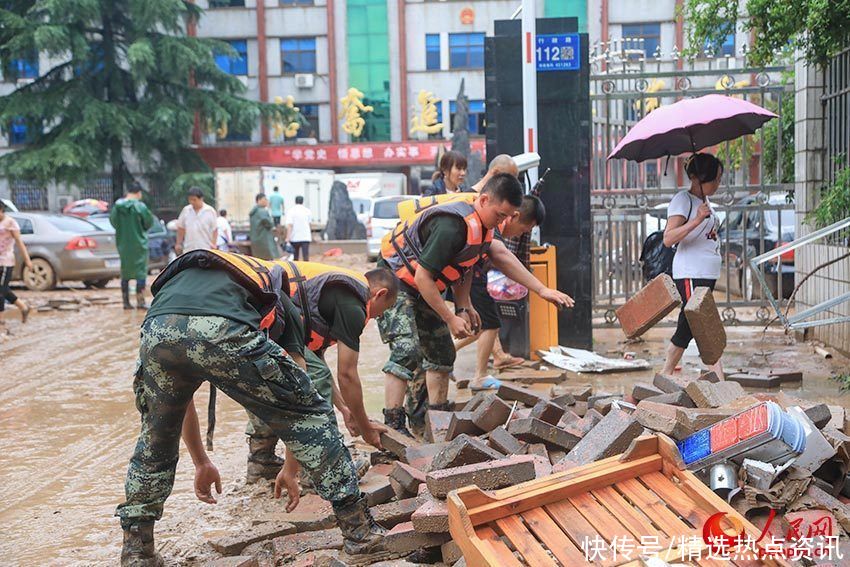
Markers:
point(160, 240)
point(10, 206)
point(736, 260)
point(383, 217)
point(65, 248)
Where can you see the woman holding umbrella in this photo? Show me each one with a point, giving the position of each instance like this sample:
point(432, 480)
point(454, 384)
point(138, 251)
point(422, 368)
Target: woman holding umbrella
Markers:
point(692, 228)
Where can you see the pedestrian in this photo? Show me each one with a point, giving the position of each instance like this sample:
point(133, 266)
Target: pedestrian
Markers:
point(225, 232)
point(197, 225)
point(263, 244)
point(449, 176)
point(276, 203)
point(132, 219)
point(430, 252)
point(298, 232)
point(215, 316)
point(692, 228)
point(10, 235)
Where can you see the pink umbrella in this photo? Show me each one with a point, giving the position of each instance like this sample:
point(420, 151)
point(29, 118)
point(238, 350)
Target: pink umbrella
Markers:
point(689, 126)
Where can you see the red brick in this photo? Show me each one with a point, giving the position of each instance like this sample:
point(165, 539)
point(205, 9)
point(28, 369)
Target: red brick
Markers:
point(581, 392)
point(408, 478)
point(547, 411)
point(580, 408)
point(397, 443)
point(491, 413)
point(233, 544)
point(431, 516)
point(747, 380)
point(461, 422)
point(394, 513)
point(535, 431)
point(610, 437)
point(464, 450)
point(437, 425)
point(504, 442)
point(709, 395)
point(706, 325)
point(476, 400)
point(238, 561)
point(696, 419)
point(531, 376)
point(642, 390)
point(542, 466)
point(819, 414)
point(670, 384)
point(376, 486)
point(288, 547)
point(538, 449)
point(404, 538)
point(564, 400)
point(420, 457)
point(661, 417)
point(648, 306)
point(680, 399)
point(511, 392)
point(451, 552)
point(487, 476)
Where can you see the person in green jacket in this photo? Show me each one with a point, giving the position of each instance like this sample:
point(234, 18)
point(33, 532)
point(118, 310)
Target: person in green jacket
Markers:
point(263, 244)
point(132, 219)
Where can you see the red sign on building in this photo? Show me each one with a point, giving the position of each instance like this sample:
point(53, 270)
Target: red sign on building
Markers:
point(377, 154)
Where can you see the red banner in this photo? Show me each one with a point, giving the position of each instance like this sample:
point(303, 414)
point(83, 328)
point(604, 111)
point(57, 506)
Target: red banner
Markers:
point(377, 154)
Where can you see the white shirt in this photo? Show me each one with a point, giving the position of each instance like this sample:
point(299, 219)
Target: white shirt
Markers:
point(225, 234)
point(299, 217)
point(199, 226)
point(698, 254)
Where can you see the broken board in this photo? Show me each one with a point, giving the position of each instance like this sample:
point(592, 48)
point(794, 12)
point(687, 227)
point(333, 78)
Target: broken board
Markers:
point(641, 494)
point(578, 360)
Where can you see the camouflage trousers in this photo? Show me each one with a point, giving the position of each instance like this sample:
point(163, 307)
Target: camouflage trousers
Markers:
point(177, 354)
point(320, 375)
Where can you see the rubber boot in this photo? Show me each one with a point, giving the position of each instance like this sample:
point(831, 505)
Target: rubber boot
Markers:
point(395, 418)
point(140, 299)
point(125, 294)
point(139, 550)
point(361, 533)
point(263, 463)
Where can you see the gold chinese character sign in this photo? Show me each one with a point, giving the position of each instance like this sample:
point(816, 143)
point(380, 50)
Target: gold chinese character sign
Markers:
point(426, 120)
point(352, 106)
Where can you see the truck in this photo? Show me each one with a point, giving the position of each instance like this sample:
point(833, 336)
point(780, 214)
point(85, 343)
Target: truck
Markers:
point(365, 187)
point(236, 188)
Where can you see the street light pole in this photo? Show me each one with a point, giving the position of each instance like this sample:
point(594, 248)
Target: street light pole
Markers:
point(529, 81)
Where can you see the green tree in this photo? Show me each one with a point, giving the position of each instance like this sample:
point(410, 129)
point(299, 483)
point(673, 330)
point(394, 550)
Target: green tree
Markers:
point(818, 27)
point(125, 81)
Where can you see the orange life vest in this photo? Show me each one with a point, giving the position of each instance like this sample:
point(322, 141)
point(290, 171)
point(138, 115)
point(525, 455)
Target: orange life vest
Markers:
point(261, 278)
point(402, 247)
point(306, 282)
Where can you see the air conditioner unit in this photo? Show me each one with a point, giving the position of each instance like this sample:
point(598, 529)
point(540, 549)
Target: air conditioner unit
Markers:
point(243, 79)
point(304, 80)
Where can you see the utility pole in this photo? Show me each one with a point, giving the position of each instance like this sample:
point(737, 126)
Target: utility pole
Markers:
point(529, 81)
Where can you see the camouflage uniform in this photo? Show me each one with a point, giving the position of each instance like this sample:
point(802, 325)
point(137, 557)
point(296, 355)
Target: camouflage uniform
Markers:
point(179, 352)
point(320, 376)
point(417, 337)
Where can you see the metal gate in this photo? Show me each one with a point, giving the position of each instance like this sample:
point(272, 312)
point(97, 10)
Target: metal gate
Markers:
point(630, 199)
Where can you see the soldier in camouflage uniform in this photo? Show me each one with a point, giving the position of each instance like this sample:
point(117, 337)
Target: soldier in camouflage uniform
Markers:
point(185, 340)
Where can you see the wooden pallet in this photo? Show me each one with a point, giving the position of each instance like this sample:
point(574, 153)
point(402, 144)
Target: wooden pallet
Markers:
point(631, 497)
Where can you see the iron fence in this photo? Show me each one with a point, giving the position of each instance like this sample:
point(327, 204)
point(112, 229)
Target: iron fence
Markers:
point(836, 101)
point(629, 199)
point(28, 195)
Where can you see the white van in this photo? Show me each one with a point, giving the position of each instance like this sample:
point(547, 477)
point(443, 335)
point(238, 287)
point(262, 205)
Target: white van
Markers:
point(383, 217)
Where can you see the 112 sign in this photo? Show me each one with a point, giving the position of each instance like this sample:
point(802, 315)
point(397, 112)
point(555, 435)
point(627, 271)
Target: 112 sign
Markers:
point(558, 52)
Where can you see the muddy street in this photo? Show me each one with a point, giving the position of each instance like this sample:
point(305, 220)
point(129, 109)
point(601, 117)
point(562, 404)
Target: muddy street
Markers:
point(68, 425)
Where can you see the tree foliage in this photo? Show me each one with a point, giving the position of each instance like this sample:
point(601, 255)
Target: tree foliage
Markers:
point(817, 27)
point(125, 83)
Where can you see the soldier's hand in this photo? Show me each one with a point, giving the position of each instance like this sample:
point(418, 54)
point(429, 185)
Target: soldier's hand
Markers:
point(350, 424)
point(287, 479)
point(474, 319)
point(560, 300)
point(206, 475)
point(459, 327)
point(372, 435)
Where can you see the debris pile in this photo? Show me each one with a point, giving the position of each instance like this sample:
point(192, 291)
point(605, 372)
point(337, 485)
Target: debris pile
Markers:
point(538, 423)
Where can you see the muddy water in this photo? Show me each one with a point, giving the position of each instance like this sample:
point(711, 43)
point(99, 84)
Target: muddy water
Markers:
point(68, 425)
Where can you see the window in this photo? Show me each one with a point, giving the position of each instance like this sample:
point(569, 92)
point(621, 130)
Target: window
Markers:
point(234, 65)
point(386, 209)
point(728, 45)
point(227, 4)
point(466, 50)
point(298, 54)
point(311, 113)
point(477, 120)
point(432, 51)
point(296, 2)
point(71, 224)
point(22, 68)
point(18, 132)
point(24, 224)
point(235, 135)
point(650, 33)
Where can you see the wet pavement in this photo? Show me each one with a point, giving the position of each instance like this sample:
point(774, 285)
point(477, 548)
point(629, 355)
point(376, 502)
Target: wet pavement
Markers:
point(68, 426)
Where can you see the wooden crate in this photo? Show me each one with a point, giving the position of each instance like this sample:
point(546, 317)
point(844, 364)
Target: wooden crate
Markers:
point(644, 493)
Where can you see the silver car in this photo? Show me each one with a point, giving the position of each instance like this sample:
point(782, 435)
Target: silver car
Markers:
point(65, 248)
point(382, 218)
